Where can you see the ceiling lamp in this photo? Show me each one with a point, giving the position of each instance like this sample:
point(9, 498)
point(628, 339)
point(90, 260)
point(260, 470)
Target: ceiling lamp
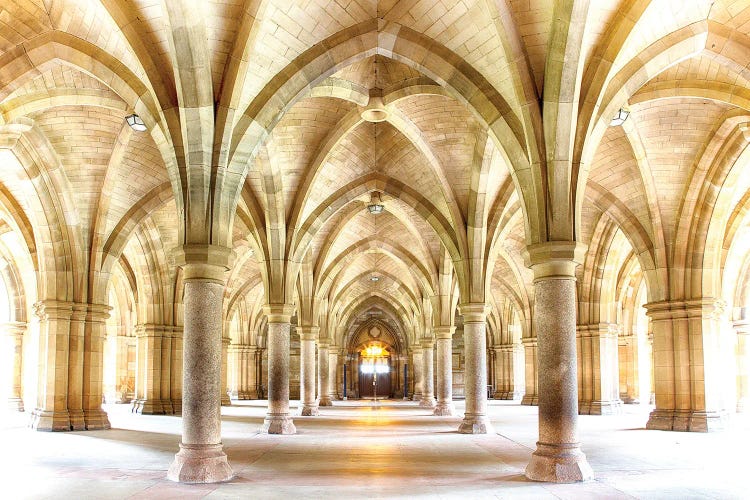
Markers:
point(620, 117)
point(136, 123)
point(374, 278)
point(376, 204)
point(375, 111)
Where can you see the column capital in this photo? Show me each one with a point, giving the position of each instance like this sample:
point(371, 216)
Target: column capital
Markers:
point(417, 348)
point(278, 313)
point(308, 332)
point(53, 310)
point(324, 343)
point(444, 332)
point(203, 262)
point(598, 330)
point(98, 312)
point(708, 307)
point(427, 343)
point(475, 312)
point(13, 328)
point(554, 259)
point(530, 341)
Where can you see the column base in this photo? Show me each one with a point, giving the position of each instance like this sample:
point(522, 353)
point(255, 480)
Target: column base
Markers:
point(200, 463)
point(15, 404)
point(148, 407)
point(96, 420)
point(427, 402)
point(687, 421)
point(416, 397)
point(42, 420)
point(77, 420)
point(325, 401)
point(475, 424)
point(226, 400)
point(444, 409)
point(278, 424)
point(613, 407)
point(309, 411)
point(530, 400)
point(559, 463)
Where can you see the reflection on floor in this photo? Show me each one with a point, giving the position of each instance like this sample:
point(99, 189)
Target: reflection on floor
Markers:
point(359, 449)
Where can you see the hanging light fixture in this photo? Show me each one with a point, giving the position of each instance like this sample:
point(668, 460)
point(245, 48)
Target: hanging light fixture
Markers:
point(620, 117)
point(376, 204)
point(136, 123)
point(374, 278)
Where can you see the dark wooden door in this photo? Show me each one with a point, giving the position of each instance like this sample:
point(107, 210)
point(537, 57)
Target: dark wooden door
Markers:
point(366, 387)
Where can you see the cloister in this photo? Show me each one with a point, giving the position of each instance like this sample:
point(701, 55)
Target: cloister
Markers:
point(540, 201)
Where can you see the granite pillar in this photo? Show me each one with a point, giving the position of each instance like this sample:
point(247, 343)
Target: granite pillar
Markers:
point(278, 420)
point(201, 458)
point(444, 336)
point(558, 457)
point(475, 349)
point(307, 335)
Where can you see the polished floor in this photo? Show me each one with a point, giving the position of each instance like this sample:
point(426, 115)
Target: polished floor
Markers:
point(358, 449)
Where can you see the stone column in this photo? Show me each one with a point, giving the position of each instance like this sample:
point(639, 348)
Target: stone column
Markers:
point(475, 350)
point(333, 368)
point(418, 368)
point(234, 370)
point(742, 329)
point(499, 369)
point(225, 401)
point(558, 457)
point(201, 458)
point(629, 376)
point(124, 383)
point(307, 335)
point(251, 384)
point(599, 385)
point(76, 352)
point(444, 336)
point(278, 420)
point(428, 375)
point(148, 398)
point(510, 358)
point(686, 365)
point(175, 374)
point(324, 393)
point(530, 348)
point(517, 379)
point(51, 412)
point(93, 364)
point(11, 335)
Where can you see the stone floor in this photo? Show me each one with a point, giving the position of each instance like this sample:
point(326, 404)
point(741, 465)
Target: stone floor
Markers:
point(361, 450)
